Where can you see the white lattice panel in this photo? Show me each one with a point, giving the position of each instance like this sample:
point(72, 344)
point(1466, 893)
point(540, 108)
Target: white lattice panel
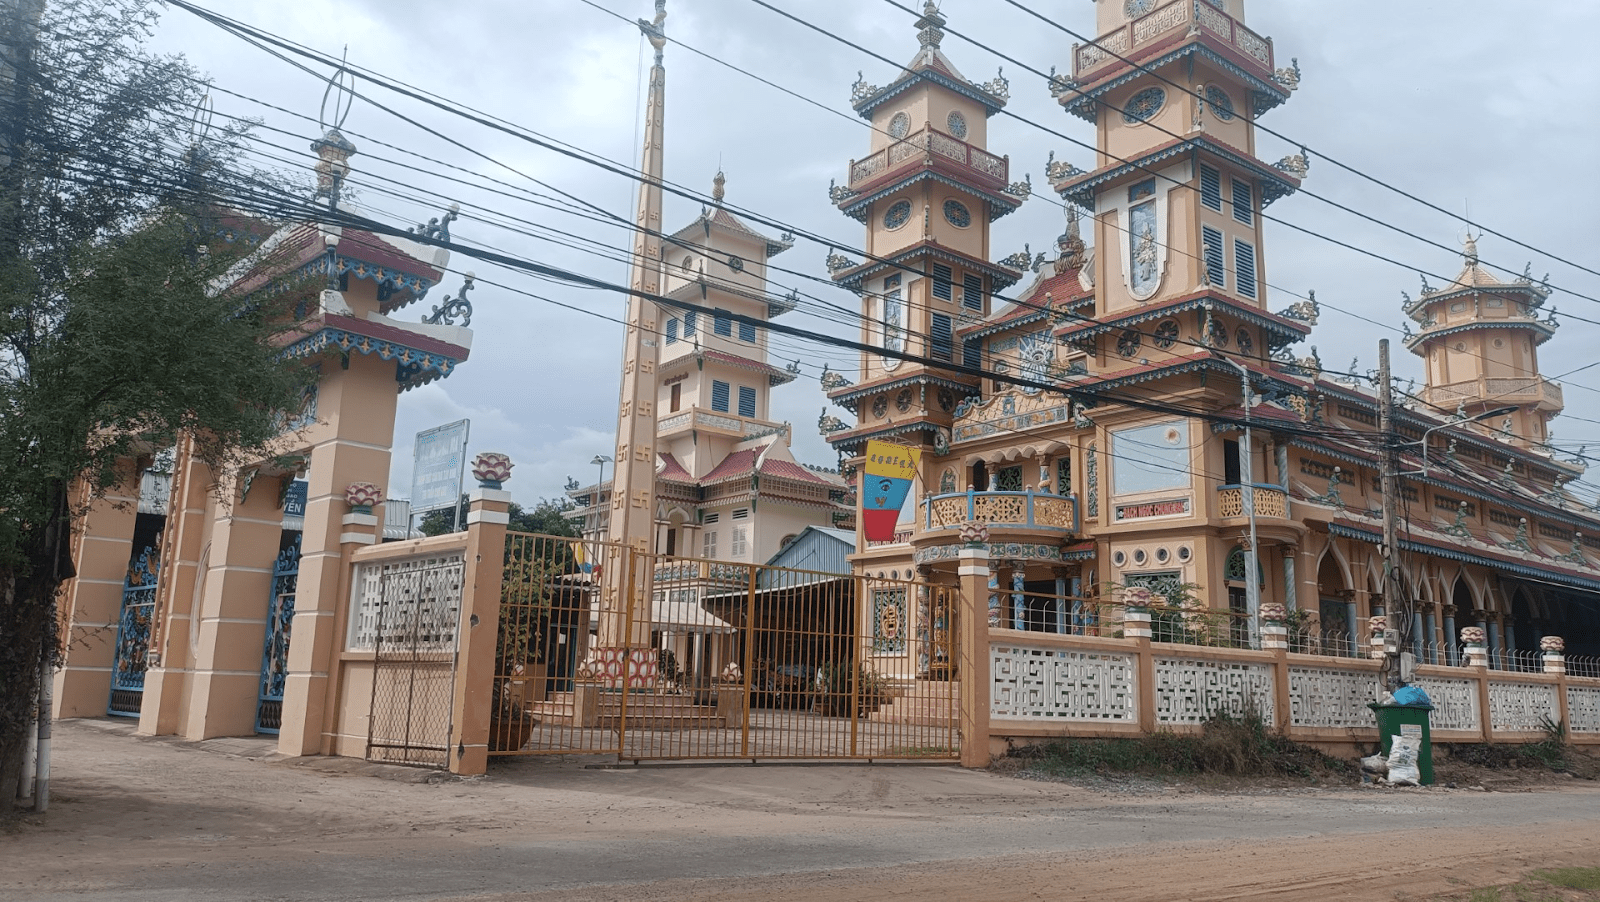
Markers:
point(1190, 692)
point(1331, 698)
point(416, 602)
point(1455, 703)
point(1583, 709)
point(1059, 684)
point(1522, 707)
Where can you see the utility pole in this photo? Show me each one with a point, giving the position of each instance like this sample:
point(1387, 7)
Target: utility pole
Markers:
point(1247, 493)
point(1398, 610)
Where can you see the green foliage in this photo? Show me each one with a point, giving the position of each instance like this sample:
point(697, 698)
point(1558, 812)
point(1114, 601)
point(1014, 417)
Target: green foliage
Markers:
point(838, 684)
point(545, 519)
point(114, 341)
point(1571, 878)
point(1227, 745)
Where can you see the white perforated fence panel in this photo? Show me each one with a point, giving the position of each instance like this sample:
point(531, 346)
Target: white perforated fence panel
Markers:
point(1523, 707)
point(1455, 703)
point(1331, 698)
point(417, 600)
point(1191, 692)
point(1583, 709)
point(1062, 685)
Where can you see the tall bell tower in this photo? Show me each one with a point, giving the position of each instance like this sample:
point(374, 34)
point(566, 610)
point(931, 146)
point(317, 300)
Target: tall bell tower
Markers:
point(927, 193)
point(1176, 191)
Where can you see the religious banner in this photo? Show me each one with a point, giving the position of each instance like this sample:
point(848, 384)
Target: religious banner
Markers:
point(890, 469)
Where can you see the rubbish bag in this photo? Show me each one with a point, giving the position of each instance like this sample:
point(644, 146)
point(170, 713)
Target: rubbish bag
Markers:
point(1403, 754)
point(1411, 695)
point(1375, 764)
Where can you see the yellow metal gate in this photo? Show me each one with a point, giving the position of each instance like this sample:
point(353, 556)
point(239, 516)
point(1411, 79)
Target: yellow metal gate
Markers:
point(717, 660)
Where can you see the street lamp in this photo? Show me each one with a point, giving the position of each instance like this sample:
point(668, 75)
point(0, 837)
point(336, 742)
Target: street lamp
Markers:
point(602, 460)
point(1486, 415)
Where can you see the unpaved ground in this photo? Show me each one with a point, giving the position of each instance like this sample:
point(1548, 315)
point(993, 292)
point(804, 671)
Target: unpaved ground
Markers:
point(137, 819)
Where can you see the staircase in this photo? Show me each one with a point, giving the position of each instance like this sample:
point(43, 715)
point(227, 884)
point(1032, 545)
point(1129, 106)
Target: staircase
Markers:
point(923, 703)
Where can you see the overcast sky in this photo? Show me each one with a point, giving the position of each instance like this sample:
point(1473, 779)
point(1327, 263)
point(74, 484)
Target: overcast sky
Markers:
point(1467, 103)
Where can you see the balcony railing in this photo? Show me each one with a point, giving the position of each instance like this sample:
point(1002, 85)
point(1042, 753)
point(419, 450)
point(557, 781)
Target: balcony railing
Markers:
point(1520, 388)
point(1162, 22)
point(1271, 501)
point(930, 144)
point(725, 422)
point(1022, 510)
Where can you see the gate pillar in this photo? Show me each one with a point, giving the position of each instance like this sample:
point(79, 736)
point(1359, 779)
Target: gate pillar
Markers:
point(94, 597)
point(973, 654)
point(233, 609)
point(488, 512)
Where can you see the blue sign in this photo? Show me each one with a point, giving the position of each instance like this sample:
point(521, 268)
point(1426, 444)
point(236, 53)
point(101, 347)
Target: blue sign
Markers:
point(437, 467)
point(294, 501)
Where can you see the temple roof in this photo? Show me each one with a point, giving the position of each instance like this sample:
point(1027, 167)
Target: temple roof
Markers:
point(930, 64)
point(718, 217)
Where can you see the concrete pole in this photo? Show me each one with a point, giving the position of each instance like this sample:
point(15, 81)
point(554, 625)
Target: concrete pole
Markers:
point(1252, 560)
point(1398, 607)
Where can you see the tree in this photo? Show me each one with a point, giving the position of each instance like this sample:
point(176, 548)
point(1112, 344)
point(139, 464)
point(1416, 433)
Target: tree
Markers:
point(114, 341)
point(546, 519)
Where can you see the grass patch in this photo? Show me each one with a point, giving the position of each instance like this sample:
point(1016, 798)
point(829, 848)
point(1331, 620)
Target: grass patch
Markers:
point(1226, 745)
point(1571, 878)
point(1549, 885)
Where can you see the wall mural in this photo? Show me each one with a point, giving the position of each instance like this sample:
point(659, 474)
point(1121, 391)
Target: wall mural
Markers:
point(894, 326)
point(1150, 458)
point(1036, 353)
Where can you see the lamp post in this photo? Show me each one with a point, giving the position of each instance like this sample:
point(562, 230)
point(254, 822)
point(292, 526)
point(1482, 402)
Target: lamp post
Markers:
point(602, 460)
point(1454, 421)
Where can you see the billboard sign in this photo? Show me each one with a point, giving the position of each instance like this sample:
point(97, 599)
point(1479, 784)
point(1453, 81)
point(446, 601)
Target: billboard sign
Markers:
point(438, 466)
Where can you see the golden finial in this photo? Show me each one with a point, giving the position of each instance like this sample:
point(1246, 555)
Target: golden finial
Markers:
point(717, 187)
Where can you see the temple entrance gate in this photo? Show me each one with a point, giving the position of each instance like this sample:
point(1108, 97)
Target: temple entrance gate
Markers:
point(414, 612)
point(275, 650)
point(752, 662)
point(133, 636)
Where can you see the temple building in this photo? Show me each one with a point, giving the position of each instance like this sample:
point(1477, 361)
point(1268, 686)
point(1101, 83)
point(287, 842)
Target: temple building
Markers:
point(1109, 454)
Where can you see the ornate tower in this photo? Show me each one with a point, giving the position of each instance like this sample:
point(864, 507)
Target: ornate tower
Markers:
point(927, 194)
point(1480, 343)
point(1176, 190)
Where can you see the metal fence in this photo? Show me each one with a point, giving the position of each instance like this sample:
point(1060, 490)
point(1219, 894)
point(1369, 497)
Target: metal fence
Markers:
point(717, 659)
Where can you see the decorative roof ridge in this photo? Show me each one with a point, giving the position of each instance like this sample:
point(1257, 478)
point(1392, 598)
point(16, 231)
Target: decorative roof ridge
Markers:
point(1287, 174)
point(853, 274)
point(1267, 94)
point(930, 64)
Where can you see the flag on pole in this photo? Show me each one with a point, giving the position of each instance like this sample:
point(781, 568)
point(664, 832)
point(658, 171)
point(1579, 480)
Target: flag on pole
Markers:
point(890, 469)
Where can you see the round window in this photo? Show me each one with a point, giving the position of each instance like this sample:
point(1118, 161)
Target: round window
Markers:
point(898, 214)
point(1118, 558)
point(1184, 553)
point(957, 214)
point(899, 126)
point(957, 124)
point(1143, 106)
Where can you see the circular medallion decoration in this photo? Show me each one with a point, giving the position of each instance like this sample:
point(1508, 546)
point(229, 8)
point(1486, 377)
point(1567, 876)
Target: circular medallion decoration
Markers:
point(902, 401)
point(880, 405)
point(1166, 334)
point(957, 124)
point(687, 264)
point(1219, 101)
point(1128, 343)
point(899, 126)
point(736, 263)
point(1139, 557)
point(957, 214)
point(1245, 342)
point(947, 400)
point(1144, 105)
point(898, 214)
point(1219, 334)
point(1136, 8)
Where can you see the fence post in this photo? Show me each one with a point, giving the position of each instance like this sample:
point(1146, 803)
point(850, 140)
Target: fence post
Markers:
point(488, 512)
point(972, 669)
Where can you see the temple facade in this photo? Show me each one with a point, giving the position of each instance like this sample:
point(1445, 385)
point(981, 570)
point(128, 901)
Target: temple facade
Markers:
point(1109, 456)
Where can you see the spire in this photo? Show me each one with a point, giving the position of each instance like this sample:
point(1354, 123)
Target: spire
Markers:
point(333, 149)
point(930, 28)
point(1470, 250)
point(717, 187)
point(633, 486)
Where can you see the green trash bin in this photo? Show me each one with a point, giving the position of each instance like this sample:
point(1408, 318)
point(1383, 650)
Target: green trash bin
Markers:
point(1407, 720)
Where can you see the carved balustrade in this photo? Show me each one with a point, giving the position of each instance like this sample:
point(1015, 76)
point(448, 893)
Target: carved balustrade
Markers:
point(1160, 23)
point(1020, 510)
point(1271, 501)
point(926, 146)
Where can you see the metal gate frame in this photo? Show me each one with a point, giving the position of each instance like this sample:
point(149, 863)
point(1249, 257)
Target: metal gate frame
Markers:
point(810, 666)
point(416, 648)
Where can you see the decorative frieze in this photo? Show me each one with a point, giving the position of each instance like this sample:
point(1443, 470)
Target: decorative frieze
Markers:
point(1061, 685)
point(1191, 692)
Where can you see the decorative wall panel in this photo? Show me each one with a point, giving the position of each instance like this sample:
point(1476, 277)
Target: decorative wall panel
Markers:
point(416, 601)
point(1190, 692)
point(1583, 709)
point(1522, 707)
point(1331, 698)
point(1057, 684)
point(1455, 704)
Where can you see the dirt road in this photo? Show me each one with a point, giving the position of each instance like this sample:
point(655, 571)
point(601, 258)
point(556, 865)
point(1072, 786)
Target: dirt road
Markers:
point(137, 819)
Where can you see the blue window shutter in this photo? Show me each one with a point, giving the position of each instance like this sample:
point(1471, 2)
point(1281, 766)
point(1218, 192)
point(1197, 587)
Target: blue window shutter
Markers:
point(1244, 267)
point(942, 347)
point(747, 332)
point(1211, 188)
point(719, 395)
point(747, 401)
point(972, 352)
point(972, 292)
point(672, 330)
point(942, 279)
point(689, 320)
point(1243, 202)
point(721, 324)
point(1216, 264)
